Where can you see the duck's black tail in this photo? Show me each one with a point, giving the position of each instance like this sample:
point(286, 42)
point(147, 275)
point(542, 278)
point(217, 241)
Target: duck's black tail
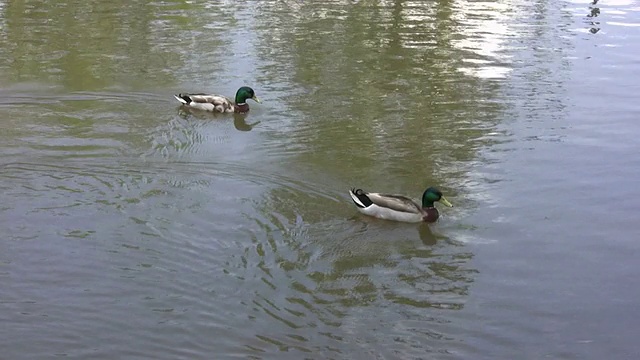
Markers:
point(360, 198)
point(183, 98)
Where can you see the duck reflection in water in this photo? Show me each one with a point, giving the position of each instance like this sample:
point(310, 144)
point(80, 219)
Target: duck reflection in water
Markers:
point(425, 233)
point(427, 237)
point(239, 119)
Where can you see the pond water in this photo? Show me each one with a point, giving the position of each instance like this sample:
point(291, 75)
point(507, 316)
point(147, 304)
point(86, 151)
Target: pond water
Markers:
point(133, 229)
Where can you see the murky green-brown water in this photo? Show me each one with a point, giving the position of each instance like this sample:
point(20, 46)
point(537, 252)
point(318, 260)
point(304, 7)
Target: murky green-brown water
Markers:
point(132, 230)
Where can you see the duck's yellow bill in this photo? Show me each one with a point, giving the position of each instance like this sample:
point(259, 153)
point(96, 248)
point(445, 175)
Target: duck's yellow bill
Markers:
point(445, 201)
point(255, 98)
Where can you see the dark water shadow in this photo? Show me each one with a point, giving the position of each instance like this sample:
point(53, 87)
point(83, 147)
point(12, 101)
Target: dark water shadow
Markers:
point(426, 235)
point(239, 120)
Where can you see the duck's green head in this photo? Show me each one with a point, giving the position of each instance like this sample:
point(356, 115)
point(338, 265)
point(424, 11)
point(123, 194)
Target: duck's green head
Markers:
point(245, 93)
point(432, 195)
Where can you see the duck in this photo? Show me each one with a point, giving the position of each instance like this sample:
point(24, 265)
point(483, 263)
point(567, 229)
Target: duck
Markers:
point(399, 207)
point(219, 103)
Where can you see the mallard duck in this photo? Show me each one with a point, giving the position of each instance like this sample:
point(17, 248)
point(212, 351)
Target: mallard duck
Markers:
point(219, 103)
point(398, 207)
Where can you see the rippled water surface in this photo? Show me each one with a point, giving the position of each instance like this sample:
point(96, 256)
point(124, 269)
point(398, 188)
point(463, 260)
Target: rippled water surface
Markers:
point(133, 229)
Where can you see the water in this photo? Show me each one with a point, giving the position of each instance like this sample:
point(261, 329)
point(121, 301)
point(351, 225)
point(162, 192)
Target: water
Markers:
point(131, 229)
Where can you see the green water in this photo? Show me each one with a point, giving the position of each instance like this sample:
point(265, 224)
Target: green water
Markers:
point(132, 229)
